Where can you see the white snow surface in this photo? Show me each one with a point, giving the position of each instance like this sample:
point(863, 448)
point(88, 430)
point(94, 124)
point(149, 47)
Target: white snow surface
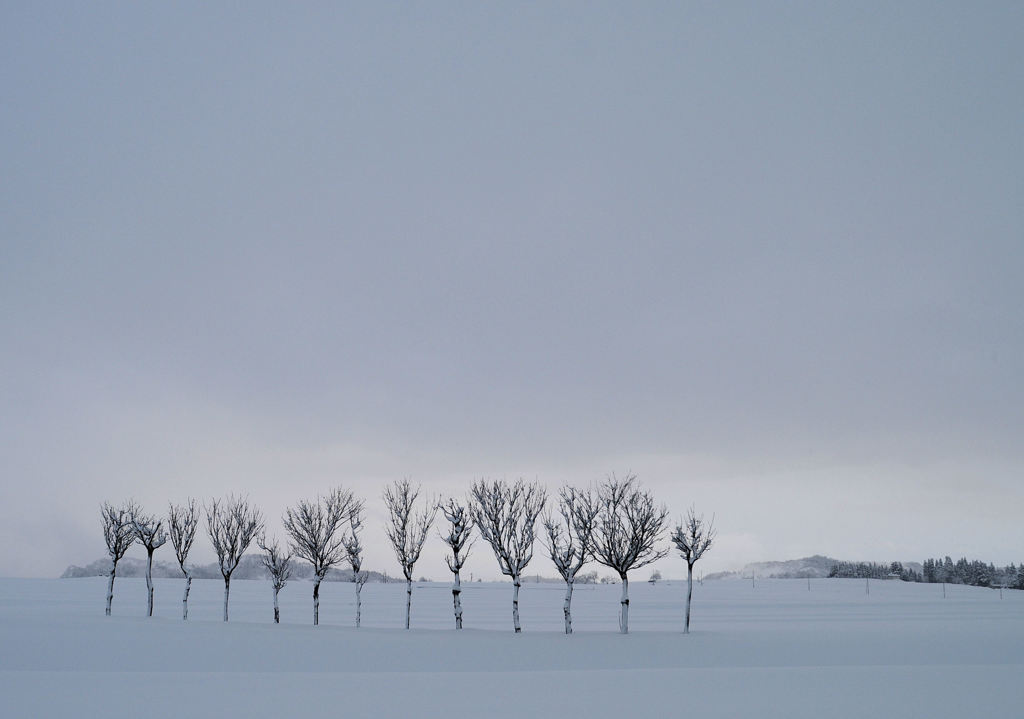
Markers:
point(774, 650)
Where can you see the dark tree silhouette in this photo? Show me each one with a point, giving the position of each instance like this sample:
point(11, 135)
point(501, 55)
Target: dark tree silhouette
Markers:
point(279, 564)
point(570, 539)
point(317, 535)
point(119, 534)
point(459, 540)
point(150, 533)
point(232, 524)
point(182, 522)
point(693, 537)
point(628, 526)
point(506, 515)
point(354, 554)
point(407, 529)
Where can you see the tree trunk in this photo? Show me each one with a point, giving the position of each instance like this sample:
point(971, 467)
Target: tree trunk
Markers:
point(689, 596)
point(515, 603)
point(110, 588)
point(457, 600)
point(359, 603)
point(567, 606)
point(624, 614)
point(184, 599)
point(227, 591)
point(316, 601)
point(149, 582)
point(408, 601)
point(277, 610)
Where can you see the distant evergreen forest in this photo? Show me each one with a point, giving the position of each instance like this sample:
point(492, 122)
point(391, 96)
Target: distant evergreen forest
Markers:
point(963, 571)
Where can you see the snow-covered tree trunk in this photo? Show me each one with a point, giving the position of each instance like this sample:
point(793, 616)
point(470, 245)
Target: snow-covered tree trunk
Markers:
point(624, 614)
point(316, 601)
point(689, 596)
point(515, 603)
point(227, 591)
point(149, 583)
point(110, 589)
point(567, 607)
point(182, 523)
point(408, 601)
point(457, 600)
point(277, 609)
point(359, 603)
point(148, 531)
point(119, 533)
point(693, 537)
point(184, 598)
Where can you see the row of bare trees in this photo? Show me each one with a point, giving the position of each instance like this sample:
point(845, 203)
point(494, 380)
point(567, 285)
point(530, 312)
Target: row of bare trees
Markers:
point(615, 523)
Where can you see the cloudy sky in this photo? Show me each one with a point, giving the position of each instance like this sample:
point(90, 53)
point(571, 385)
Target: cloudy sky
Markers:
point(769, 257)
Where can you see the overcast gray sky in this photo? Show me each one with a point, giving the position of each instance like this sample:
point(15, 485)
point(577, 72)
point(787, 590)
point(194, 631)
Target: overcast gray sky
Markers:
point(770, 257)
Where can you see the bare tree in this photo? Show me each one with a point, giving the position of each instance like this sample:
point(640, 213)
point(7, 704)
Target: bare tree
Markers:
point(182, 522)
point(628, 525)
point(149, 532)
point(279, 564)
point(506, 515)
point(232, 524)
point(407, 529)
point(354, 553)
point(570, 539)
point(317, 536)
point(459, 540)
point(693, 537)
point(119, 534)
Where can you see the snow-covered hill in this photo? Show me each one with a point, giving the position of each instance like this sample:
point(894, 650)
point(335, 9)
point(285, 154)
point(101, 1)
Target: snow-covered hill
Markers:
point(814, 566)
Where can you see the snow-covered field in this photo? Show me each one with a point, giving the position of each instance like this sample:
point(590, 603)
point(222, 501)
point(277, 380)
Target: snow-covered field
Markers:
point(776, 650)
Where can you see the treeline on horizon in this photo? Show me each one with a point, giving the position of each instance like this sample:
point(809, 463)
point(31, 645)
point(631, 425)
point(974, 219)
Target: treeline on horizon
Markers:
point(973, 573)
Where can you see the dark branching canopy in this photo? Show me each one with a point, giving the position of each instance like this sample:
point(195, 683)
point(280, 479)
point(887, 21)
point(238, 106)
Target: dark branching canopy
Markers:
point(570, 532)
point(506, 515)
point(232, 524)
point(693, 536)
point(149, 531)
point(460, 534)
point(353, 545)
point(407, 527)
point(182, 521)
point(629, 525)
point(118, 528)
point(316, 529)
point(276, 561)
